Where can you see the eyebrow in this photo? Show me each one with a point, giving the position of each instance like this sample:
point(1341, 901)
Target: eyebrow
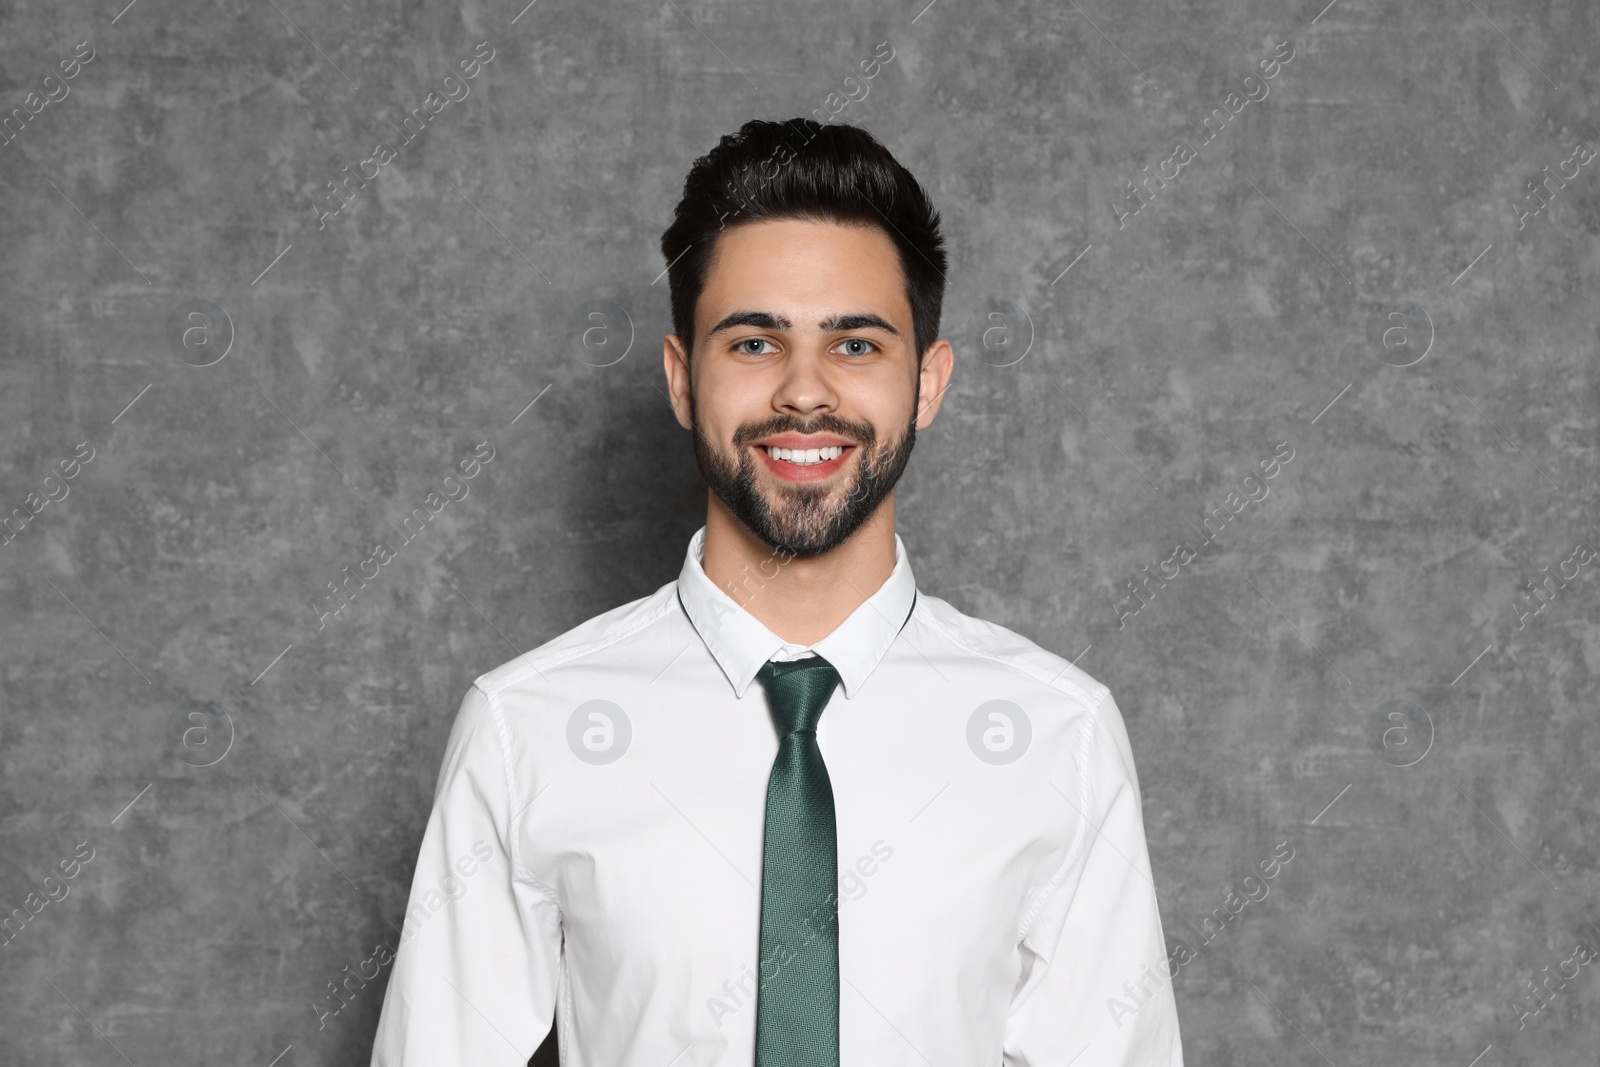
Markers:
point(765, 320)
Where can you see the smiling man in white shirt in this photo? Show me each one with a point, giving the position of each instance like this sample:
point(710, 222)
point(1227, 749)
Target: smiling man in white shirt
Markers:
point(788, 810)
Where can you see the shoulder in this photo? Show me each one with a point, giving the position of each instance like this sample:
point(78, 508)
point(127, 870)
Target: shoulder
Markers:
point(1007, 650)
point(587, 644)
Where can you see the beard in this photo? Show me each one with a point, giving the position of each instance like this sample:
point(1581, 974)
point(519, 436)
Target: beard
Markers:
point(804, 519)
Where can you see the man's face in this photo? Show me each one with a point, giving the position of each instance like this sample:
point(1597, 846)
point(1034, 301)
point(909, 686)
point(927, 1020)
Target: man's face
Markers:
point(804, 345)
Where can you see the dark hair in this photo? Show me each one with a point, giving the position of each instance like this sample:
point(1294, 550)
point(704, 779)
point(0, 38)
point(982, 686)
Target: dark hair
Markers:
point(835, 173)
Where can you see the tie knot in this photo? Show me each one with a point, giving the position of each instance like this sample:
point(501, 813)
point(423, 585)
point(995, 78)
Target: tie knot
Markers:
point(797, 691)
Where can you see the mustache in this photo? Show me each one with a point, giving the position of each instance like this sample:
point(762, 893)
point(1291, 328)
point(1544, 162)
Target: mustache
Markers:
point(860, 433)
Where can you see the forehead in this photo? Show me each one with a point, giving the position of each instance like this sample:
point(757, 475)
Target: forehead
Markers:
point(804, 264)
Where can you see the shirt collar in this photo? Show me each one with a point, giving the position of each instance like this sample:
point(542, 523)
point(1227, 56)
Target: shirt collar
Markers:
point(740, 643)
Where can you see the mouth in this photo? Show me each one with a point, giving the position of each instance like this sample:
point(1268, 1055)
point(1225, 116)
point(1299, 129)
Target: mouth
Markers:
point(805, 464)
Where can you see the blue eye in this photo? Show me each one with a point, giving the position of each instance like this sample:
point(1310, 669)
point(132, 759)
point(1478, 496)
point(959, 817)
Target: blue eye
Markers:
point(749, 340)
point(859, 341)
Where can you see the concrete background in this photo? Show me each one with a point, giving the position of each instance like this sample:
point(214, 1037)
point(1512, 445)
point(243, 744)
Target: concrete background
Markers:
point(1162, 358)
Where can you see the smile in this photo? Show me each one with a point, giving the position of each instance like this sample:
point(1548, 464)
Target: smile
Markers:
point(806, 457)
point(805, 464)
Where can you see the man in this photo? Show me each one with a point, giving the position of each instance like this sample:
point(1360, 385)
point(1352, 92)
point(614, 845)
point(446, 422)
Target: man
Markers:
point(788, 810)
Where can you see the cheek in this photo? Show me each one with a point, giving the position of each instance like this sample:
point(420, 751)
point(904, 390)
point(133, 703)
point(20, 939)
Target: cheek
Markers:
point(725, 400)
point(890, 401)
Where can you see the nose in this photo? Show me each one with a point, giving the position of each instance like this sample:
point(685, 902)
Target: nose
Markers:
point(805, 385)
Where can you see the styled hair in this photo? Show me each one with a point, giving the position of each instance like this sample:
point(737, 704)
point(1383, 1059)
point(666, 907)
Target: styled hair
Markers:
point(802, 169)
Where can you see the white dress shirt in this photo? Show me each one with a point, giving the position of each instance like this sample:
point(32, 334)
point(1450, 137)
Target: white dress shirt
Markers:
point(595, 848)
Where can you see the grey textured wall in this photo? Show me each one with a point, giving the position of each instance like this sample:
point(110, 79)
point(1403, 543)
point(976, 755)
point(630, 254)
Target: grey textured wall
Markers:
point(1350, 270)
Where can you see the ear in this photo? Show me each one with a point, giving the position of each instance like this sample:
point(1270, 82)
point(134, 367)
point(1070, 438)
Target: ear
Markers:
point(675, 362)
point(933, 378)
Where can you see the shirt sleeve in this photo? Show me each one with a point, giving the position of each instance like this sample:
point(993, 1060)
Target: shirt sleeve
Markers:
point(475, 976)
point(1095, 989)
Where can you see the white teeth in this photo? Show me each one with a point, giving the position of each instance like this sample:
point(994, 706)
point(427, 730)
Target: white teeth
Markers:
point(806, 457)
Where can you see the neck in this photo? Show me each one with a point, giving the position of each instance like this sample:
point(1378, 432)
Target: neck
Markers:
point(800, 600)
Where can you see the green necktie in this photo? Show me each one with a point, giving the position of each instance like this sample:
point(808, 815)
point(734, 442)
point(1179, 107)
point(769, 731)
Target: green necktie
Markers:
point(797, 1003)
